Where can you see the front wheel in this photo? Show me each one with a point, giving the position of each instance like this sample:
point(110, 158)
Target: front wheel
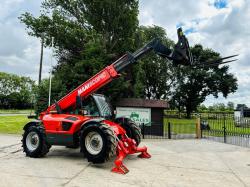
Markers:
point(98, 143)
point(34, 142)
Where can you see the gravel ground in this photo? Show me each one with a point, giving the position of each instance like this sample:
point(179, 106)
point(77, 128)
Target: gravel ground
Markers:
point(176, 163)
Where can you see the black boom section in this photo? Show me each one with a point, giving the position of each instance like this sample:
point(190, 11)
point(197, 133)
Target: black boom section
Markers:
point(179, 55)
point(123, 62)
point(129, 58)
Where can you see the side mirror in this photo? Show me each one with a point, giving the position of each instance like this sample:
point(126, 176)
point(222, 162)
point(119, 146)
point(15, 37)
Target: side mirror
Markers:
point(85, 112)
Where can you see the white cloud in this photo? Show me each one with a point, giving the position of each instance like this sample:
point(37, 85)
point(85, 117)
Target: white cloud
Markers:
point(6, 7)
point(225, 30)
point(20, 53)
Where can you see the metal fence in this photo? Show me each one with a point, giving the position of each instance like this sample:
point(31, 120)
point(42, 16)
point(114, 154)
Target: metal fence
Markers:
point(168, 131)
point(224, 127)
point(221, 127)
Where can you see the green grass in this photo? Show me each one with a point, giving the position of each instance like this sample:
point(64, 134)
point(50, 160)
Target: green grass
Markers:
point(180, 126)
point(13, 124)
point(13, 111)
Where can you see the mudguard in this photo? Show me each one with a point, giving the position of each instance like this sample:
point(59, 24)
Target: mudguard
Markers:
point(92, 121)
point(32, 123)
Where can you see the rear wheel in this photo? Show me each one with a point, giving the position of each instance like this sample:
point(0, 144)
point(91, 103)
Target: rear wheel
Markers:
point(132, 130)
point(98, 143)
point(34, 142)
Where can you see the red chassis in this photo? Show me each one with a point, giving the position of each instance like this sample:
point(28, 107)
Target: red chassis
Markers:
point(80, 118)
point(125, 145)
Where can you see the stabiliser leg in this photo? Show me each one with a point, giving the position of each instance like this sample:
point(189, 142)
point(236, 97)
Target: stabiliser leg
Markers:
point(127, 146)
point(119, 166)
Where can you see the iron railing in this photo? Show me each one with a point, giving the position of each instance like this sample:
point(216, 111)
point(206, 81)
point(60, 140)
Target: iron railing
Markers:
point(226, 128)
point(168, 130)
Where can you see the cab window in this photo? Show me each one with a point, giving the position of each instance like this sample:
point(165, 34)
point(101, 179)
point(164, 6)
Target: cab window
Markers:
point(90, 106)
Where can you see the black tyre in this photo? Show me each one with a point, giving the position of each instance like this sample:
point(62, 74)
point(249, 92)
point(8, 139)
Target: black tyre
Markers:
point(34, 142)
point(98, 143)
point(132, 130)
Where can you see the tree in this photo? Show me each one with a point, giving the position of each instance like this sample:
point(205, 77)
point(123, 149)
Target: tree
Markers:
point(154, 74)
point(241, 107)
point(42, 93)
point(230, 106)
point(202, 108)
point(193, 85)
point(88, 35)
point(16, 92)
point(220, 107)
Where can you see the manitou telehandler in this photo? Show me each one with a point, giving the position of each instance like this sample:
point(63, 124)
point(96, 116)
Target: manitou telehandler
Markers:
point(83, 118)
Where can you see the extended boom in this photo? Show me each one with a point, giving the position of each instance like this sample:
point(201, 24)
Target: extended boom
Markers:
point(180, 55)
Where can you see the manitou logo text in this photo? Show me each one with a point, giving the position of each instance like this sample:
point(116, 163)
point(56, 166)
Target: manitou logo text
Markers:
point(91, 83)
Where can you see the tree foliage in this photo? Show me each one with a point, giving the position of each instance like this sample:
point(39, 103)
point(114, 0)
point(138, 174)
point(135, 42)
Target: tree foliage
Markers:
point(42, 94)
point(217, 107)
point(16, 92)
point(154, 74)
point(88, 35)
point(241, 107)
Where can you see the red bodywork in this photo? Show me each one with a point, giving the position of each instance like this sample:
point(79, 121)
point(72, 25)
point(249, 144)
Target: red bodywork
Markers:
point(53, 122)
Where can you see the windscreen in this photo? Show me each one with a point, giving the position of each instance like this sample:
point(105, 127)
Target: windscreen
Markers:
point(104, 106)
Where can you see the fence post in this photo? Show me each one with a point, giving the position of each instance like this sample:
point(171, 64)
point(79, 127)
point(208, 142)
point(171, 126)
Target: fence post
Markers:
point(224, 128)
point(198, 127)
point(169, 130)
point(143, 130)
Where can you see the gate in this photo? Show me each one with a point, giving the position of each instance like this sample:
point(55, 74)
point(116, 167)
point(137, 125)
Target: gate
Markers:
point(224, 127)
point(175, 126)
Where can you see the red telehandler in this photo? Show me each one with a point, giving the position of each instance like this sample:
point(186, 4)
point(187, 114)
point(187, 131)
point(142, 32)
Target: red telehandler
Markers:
point(82, 118)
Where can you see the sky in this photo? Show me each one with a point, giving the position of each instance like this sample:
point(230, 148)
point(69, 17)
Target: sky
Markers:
point(222, 25)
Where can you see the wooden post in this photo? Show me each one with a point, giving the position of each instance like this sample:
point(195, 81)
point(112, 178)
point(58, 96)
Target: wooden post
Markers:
point(198, 127)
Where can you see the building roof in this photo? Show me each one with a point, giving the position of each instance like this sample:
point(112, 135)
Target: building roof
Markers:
point(145, 103)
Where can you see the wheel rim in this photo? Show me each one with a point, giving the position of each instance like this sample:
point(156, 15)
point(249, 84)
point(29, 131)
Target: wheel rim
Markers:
point(93, 143)
point(32, 141)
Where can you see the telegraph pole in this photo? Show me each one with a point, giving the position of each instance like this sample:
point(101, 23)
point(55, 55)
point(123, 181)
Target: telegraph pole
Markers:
point(50, 75)
point(41, 60)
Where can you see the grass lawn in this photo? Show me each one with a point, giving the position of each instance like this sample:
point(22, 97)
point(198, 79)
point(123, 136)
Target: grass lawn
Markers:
point(13, 124)
point(11, 111)
point(180, 126)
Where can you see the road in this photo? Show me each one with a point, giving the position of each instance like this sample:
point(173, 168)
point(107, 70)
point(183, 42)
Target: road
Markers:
point(177, 163)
